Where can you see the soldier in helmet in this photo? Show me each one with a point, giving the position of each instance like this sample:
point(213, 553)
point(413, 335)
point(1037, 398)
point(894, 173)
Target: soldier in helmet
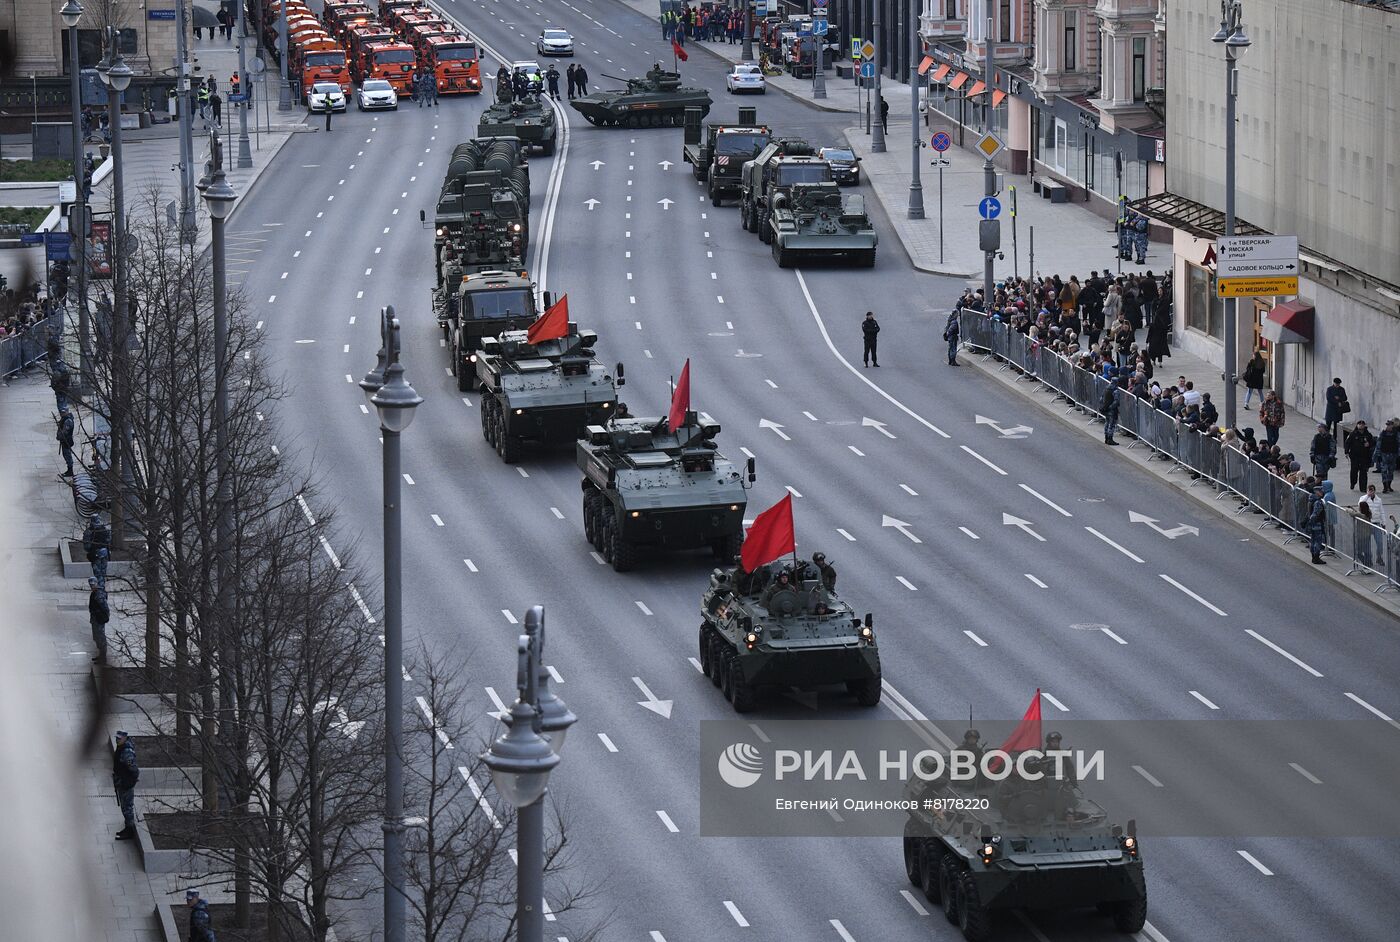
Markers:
point(504, 86)
point(828, 571)
point(780, 584)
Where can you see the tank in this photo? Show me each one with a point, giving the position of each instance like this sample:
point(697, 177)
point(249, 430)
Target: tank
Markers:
point(784, 626)
point(529, 119)
point(813, 221)
point(646, 488)
point(658, 100)
point(543, 393)
point(979, 847)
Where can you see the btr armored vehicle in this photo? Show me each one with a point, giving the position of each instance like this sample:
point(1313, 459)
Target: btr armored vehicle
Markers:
point(659, 100)
point(483, 304)
point(980, 846)
point(779, 166)
point(816, 221)
point(783, 626)
point(648, 488)
point(530, 119)
point(543, 393)
point(718, 152)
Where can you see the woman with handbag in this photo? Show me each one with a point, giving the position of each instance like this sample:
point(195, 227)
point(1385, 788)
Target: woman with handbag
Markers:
point(1337, 405)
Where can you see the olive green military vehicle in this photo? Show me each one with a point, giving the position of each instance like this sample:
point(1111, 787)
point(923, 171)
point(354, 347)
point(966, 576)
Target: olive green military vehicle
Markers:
point(483, 304)
point(781, 165)
point(1019, 843)
point(718, 152)
point(811, 221)
point(782, 626)
point(531, 119)
point(541, 393)
point(648, 488)
point(658, 100)
point(482, 218)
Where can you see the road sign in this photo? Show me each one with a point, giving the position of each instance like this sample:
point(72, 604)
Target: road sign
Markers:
point(989, 145)
point(867, 70)
point(237, 98)
point(819, 27)
point(867, 50)
point(855, 47)
point(1257, 257)
point(941, 141)
point(819, 4)
point(990, 207)
point(57, 246)
point(1255, 287)
point(31, 238)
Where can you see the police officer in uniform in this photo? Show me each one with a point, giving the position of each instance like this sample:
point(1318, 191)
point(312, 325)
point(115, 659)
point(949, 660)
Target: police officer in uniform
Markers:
point(125, 773)
point(870, 332)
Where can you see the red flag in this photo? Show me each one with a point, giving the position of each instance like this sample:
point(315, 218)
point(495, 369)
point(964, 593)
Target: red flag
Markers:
point(770, 536)
point(553, 325)
point(679, 51)
point(1025, 736)
point(680, 399)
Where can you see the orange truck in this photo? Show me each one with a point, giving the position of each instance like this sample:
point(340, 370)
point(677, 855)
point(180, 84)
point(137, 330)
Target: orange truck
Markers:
point(340, 18)
point(395, 62)
point(454, 64)
point(358, 39)
point(320, 59)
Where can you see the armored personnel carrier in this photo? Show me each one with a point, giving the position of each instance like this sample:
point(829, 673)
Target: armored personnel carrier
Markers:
point(483, 304)
point(815, 220)
point(529, 119)
point(781, 626)
point(647, 488)
point(984, 846)
point(543, 393)
point(782, 164)
point(658, 100)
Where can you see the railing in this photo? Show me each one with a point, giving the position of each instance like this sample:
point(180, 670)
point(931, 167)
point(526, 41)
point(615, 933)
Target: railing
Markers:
point(20, 351)
point(1368, 547)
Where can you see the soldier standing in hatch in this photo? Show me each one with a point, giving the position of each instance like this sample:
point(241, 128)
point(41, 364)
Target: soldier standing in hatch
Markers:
point(870, 331)
point(828, 571)
point(504, 88)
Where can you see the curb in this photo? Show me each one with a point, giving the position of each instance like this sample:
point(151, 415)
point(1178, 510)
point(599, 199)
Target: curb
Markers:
point(1206, 497)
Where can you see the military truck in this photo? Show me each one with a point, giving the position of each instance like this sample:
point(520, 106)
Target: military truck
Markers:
point(780, 165)
point(658, 100)
point(482, 218)
point(542, 393)
point(984, 846)
point(483, 304)
point(784, 626)
point(530, 119)
point(648, 488)
point(817, 221)
point(718, 151)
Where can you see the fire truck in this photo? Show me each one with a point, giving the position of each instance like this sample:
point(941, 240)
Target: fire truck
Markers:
point(453, 61)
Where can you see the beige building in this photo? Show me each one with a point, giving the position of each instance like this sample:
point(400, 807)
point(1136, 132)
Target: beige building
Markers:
point(1318, 149)
point(37, 41)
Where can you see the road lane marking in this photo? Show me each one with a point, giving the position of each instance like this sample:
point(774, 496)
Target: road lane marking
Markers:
point(1213, 608)
point(1316, 673)
point(1054, 702)
point(1201, 697)
point(666, 820)
point(981, 459)
point(906, 583)
point(810, 416)
point(771, 384)
point(841, 931)
point(969, 533)
point(845, 534)
point(643, 606)
point(480, 797)
point(408, 478)
point(857, 451)
point(598, 557)
point(975, 640)
point(792, 490)
point(747, 453)
point(1254, 862)
point(1362, 703)
point(437, 520)
point(557, 512)
point(522, 471)
point(607, 743)
point(1128, 553)
point(1151, 779)
point(1305, 773)
point(554, 673)
point(909, 490)
point(914, 902)
point(1045, 500)
point(758, 731)
point(471, 566)
point(1036, 581)
point(738, 916)
point(509, 617)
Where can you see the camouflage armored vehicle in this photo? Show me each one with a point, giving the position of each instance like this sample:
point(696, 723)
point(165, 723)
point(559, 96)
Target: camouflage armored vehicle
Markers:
point(482, 217)
point(647, 488)
point(542, 393)
point(784, 163)
point(718, 152)
point(782, 626)
point(1018, 843)
point(484, 304)
point(659, 100)
point(530, 119)
point(816, 221)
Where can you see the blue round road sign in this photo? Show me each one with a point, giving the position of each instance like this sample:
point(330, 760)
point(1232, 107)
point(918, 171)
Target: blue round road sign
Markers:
point(867, 70)
point(941, 141)
point(990, 207)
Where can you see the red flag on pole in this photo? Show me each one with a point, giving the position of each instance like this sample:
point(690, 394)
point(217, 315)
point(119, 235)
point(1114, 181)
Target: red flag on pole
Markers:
point(553, 325)
point(1026, 735)
point(680, 399)
point(679, 51)
point(770, 536)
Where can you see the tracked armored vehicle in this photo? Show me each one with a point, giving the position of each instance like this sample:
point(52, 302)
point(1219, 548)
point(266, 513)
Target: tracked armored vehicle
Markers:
point(658, 100)
point(647, 488)
point(483, 304)
point(779, 627)
point(817, 221)
point(718, 152)
point(530, 119)
point(784, 163)
point(985, 846)
point(482, 218)
point(542, 393)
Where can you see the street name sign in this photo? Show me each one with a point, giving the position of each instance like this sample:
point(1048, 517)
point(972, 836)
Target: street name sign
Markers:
point(1246, 266)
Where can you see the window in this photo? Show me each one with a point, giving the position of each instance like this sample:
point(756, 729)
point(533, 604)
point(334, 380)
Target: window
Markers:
point(1071, 40)
point(1061, 156)
point(1106, 53)
point(1005, 21)
point(951, 9)
point(1140, 68)
point(1204, 311)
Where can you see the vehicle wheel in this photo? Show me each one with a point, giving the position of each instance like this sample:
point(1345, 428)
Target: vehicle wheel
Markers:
point(464, 379)
point(589, 505)
point(948, 869)
point(765, 233)
point(727, 547)
point(624, 553)
point(742, 694)
point(712, 193)
point(485, 418)
point(509, 446)
point(973, 918)
point(744, 215)
point(725, 671)
point(780, 255)
point(929, 865)
point(866, 692)
point(1130, 915)
point(913, 860)
point(605, 538)
point(706, 667)
point(867, 259)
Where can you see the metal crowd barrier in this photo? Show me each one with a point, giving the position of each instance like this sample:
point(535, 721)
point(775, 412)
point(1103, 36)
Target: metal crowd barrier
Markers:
point(1370, 548)
point(20, 351)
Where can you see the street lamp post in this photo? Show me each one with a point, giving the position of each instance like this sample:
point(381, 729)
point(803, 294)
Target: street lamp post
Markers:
point(916, 186)
point(395, 400)
point(189, 225)
point(748, 30)
point(117, 77)
point(520, 763)
point(245, 154)
point(72, 12)
point(284, 96)
point(877, 124)
point(1232, 35)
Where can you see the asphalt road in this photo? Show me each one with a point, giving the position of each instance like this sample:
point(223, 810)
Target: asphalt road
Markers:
point(970, 609)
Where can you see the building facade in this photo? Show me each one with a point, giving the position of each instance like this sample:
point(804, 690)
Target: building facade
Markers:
point(35, 41)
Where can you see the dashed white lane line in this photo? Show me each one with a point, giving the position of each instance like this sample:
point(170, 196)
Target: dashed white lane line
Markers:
point(559, 514)
point(554, 673)
point(1045, 500)
point(437, 520)
point(509, 617)
point(607, 743)
point(598, 557)
point(471, 566)
point(792, 490)
point(975, 640)
point(771, 384)
point(810, 416)
point(845, 534)
point(695, 663)
point(1036, 581)
point(719, 298)
point(1305, 773)
point(648, 354)
point(1201, 697)
point(657, 937)
point(284, 276)
point(841, 931)
point(666, 820)
point(906, 583)
point(1054, 702)
point(969, 533)
point(1364, 705)
point(364, 408)
point(1151, 779)
point(522, 471)
point(296, 254)
point(1305, 666)
point(1254, 862)
point(1209, 605)
point(858, 453)
point(909, 490)
point(330, 553)
point(352, 320)
point(738, 916)
point(747, 453)
point(981, 459)
point(480, 797)
point(1112, 634)
point(432, 721)
point(643, 606)
point(259, 324)
point(349, 378)
point(408, 478)
point(913, 901)
point(1126, 552)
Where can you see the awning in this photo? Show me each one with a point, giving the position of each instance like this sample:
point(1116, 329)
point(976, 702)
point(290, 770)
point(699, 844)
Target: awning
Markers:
point(923, 65)
point(998, 96)
point(959, 81)
point(976, 89)
point(1289, 322)
point(941, 72)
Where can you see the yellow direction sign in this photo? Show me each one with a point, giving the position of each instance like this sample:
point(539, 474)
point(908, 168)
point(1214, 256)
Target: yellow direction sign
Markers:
point(1255, 287)
point(867, 50)
point(989, 145)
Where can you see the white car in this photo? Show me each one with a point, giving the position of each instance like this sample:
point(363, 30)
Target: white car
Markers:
point(325, 96)
point(746, 77)
point(376, 93)
point(534, 75)
point(555, 42)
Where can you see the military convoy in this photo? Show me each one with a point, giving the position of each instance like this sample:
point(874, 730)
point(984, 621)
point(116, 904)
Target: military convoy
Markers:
point(541, 393)
point(482, 218)
point(981, 846)
point(718, 152)
point(483, 304)
point(658, 100)
point(648, 488)
point(530, 119)
point(782, 163)
point(781, 626)
point(818, 221)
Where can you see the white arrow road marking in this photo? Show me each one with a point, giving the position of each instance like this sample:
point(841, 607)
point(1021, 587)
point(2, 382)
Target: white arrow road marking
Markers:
point(1009, 521)
point(590, 203)
point(1015, 431)
point(867, 422)
point(661, 708)
point(665, 203)
point(596, 164)
point(887, 521)
point(1173, 533)
point(665, 165)
point(778, 429)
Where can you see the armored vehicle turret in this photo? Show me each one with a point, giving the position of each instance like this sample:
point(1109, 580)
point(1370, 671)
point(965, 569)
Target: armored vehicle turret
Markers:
point(646, 487)
point(658, 100)
point(783, 625)
point(975, 846)
point(482, 304)
point(816, 221)
point(530, 119)
point(542, 393)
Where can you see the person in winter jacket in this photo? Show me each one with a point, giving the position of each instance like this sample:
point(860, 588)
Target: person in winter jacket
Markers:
point(1359, 445)
point(1322, 452)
